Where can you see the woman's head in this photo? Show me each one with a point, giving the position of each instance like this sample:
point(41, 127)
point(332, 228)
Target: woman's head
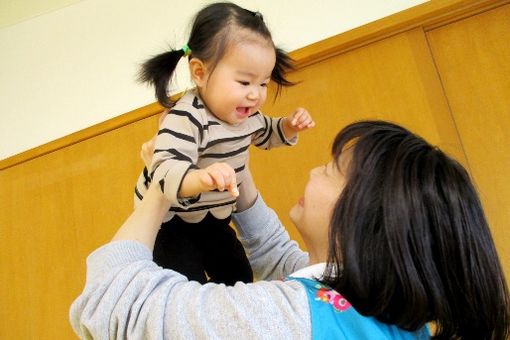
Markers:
point(312, 213)
point(217, 29)
point(408, 233)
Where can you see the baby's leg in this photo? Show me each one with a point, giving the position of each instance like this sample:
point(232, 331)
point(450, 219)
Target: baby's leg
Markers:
point(176, 249)
point(224, 256)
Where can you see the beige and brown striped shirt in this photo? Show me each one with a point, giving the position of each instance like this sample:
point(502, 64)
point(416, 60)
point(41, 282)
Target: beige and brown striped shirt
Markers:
point(191, 137)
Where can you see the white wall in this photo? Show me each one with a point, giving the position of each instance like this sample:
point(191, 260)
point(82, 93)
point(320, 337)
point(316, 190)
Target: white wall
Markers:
point(76, 66)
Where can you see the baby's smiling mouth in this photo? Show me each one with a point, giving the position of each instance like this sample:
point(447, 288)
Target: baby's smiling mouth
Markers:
point(243, 110)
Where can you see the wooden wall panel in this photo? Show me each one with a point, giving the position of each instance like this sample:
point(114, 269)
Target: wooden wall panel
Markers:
point(56, 209)
point(392, 79)
point(473, 59)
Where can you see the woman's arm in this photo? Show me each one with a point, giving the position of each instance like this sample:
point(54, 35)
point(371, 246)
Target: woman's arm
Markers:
point(143, 224)
point(247, 192)
point(271, 252)
point(127, 295)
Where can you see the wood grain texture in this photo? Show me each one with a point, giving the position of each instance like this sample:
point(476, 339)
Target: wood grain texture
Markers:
point(56, 209)
point(473, 60)
point(393, 79)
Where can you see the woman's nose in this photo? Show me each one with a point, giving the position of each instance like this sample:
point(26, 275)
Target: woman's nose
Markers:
point(318, 170)
point(315, 170)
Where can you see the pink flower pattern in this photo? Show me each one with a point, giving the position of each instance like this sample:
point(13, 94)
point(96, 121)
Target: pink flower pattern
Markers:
point(332, 297)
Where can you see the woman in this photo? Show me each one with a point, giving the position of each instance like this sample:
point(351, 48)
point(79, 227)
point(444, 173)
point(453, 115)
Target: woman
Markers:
point(396, 236)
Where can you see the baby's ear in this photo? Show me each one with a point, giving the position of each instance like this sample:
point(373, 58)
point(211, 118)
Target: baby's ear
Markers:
point(198, 72)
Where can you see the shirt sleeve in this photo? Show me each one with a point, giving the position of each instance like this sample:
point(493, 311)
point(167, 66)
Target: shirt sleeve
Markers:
point(271, 252)
point(142, 184)
point(272, 134)
point(175, 152)
point(127, 296)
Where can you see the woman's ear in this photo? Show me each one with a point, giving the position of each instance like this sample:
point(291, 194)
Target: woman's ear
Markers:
point(198, 72)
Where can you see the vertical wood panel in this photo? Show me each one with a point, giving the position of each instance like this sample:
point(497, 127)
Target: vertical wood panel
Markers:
point(473, 58)
point(393, 79)
point(56, 209)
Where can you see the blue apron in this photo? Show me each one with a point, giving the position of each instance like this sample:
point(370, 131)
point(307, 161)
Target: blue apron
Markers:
point(334, 318)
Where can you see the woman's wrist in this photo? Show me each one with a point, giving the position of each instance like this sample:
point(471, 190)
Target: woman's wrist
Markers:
point(144, 222)
point(247, 193)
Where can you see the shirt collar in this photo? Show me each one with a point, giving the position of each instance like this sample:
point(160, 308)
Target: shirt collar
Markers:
point(310, 272)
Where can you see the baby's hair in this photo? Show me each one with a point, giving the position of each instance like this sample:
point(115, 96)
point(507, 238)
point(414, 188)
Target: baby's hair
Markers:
point(215, 28)
point(410, 238)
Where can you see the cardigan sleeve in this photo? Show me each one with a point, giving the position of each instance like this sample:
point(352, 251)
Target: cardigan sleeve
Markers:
point(271, 252)
point(127, 296)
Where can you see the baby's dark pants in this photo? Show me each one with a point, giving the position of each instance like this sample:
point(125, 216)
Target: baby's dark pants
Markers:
point(208, 251)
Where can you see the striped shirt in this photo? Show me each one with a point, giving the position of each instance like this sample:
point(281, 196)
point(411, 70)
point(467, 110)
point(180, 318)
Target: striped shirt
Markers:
point(191, 137)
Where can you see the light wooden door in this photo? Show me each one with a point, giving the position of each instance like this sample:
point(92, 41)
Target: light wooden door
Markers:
point(473, 60)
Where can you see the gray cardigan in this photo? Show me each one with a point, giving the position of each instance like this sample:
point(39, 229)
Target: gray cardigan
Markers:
point(127, 296)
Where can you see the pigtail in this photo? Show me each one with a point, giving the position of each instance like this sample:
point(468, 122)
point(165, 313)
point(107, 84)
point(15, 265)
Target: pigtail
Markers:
point(158, 71)
point(284, 64)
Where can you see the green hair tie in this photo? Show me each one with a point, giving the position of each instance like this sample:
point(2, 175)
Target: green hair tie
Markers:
point(186, 50)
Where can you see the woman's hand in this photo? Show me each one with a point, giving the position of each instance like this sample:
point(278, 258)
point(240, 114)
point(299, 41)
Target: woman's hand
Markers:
point(144, 222)
point(247, 192)
point(147, 150)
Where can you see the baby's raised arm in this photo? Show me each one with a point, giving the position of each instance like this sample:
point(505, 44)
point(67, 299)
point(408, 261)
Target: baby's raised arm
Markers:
point(297, 121)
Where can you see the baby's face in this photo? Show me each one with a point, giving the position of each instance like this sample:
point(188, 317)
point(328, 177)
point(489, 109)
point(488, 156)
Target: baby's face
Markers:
point(237, 87)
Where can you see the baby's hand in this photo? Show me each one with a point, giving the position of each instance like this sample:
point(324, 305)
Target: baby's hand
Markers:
point(219, 176)
point(300, 120)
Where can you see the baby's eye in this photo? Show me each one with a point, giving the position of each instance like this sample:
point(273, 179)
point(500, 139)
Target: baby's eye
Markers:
point(263, 84)
point(244, 83)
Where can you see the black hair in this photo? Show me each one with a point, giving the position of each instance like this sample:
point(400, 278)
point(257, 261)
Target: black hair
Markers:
point(213, 31)
point(410, 239)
